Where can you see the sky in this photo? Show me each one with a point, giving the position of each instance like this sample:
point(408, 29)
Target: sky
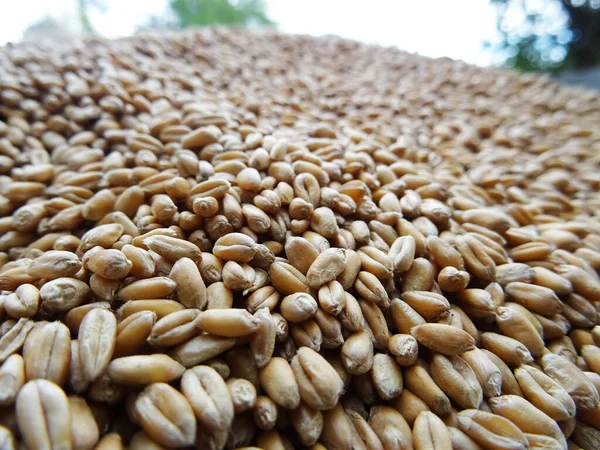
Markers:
point(435, 28)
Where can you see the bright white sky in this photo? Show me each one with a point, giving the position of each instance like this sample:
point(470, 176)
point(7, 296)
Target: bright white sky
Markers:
point(453, 28)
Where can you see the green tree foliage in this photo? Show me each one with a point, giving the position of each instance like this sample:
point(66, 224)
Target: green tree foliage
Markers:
point(219, 12)
point(83, 10)
point(552, 35)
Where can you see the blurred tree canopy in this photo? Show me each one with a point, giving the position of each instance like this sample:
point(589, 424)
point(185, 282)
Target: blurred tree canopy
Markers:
point(83, 7)
point(219, 12)
point(551, 35)
point(189, 13)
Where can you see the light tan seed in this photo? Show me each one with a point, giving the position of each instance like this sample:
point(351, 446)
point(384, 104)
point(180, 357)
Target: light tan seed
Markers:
point(538, 441)
point(444, 254)
point(429, 432)
point(297, 308)
point(509, 350)
point(409, 405)
point(332, 297)
point(12, 340)
point(427, 304)
point(200, 348)
point(24, 302)
point(140, 370)
point(111, 264)
point(376, 262)
point(219, 296)
point(337, 428)
point(113, 441)
point(301, 253)
point(404, 348)
point(491, 431)
point(84, 429)
point(370, 288)
point(323, 221)
point(591, 355)
point(287, 279)
point(173, 249)
point(476, 259)
point(526, 416)
point(458, 381)
point(584, 283)
point(531, 251)
point(7, 439)
point(377, 324)
point(54, 264)
point(418, 380)
point(143, 265)
point(326, 267)
point(402, 253)
point(537, 299)
point(551, 280)
point(489, 218)
point(444, 339)
point(97, 336)
point(141, 441)
point(553, 327)
point(308, 423)
point(262, 342)
point(264, 297)
point(174, 328)
point(357, 353)
point(460, 441)
point(151, 288)
point(47, 352)
point(512, 323)
point(63, 294)
point(351, 316)
point(386, 376)
point(265, 413)
point(238, 276)
point(420, 276)
point(235, 247)
point(166, 415)
point(488, 374)
point(209, 397)
point(227, 322)
point(308, 367)
point(191, 290)
point(103, 235)
point(351, 269)
point(44, 416)
point(391, 428)
point(544, 393)
point(103, 288)
point(132, 333)
point(12, 378)
point(77, 378)
point(243, 394)
point(514, 272)
point(572, 379)
point(405, 318)
point(279, 382)
point(451, 279)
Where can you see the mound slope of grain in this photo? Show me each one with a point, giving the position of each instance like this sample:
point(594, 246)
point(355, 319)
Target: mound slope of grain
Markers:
point(223, 239)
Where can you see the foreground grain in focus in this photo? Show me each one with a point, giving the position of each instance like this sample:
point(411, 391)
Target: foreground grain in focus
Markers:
point(220, 239)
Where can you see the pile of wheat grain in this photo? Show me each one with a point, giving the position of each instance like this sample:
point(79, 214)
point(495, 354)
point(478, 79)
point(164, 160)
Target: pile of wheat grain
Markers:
point(223, 239)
